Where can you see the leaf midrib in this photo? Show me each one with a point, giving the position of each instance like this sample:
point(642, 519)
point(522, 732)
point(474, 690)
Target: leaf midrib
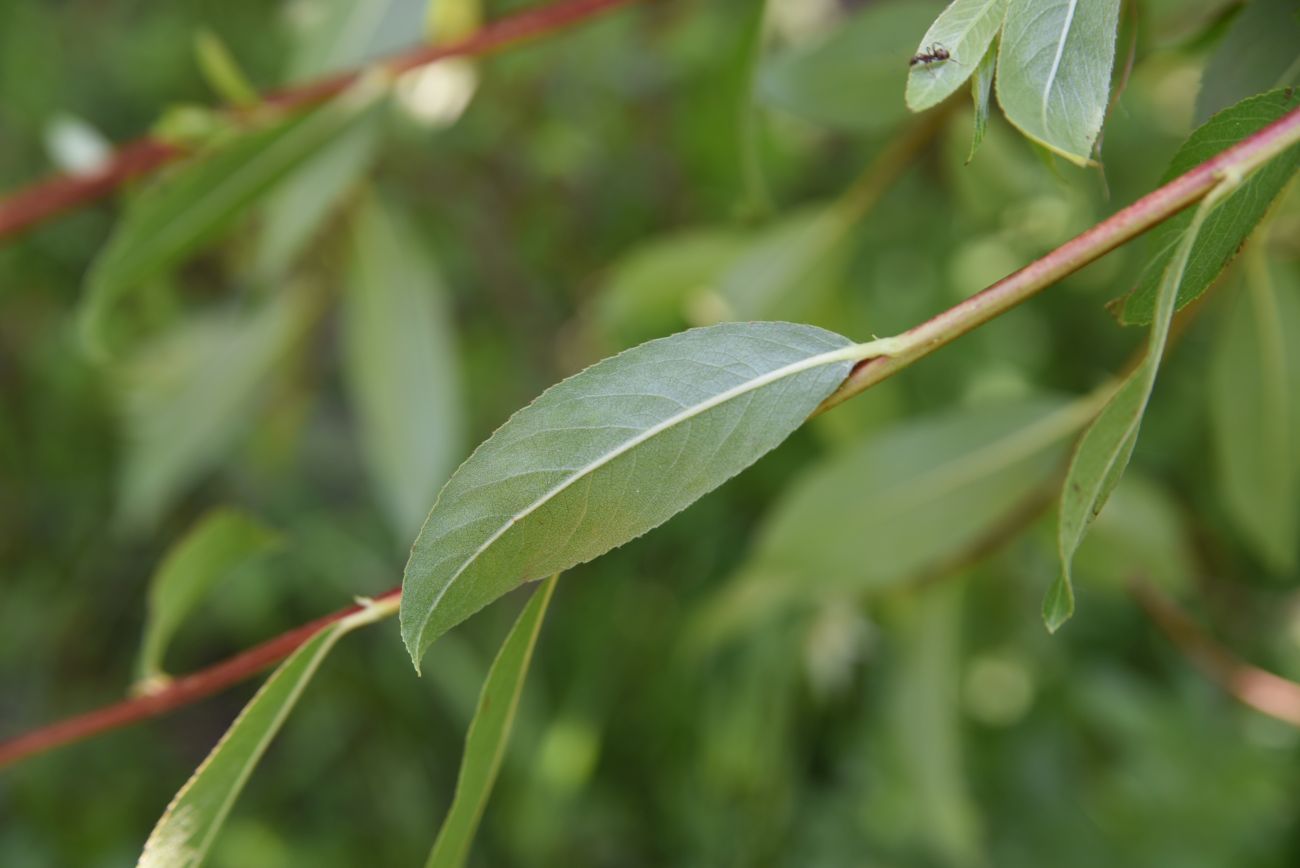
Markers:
point(852, 352)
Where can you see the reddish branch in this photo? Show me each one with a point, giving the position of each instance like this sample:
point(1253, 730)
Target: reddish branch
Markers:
point(1263, 691)
point(31, 205)
point(181, 691)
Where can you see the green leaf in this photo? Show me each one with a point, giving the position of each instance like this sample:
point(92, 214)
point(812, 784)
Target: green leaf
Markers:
point(221, 543)
point(611, 453)
point(647, 291)
point(1258, 53)
point(1105, 448)
point(301, 204)
point(1054, 67)
point(904, 504)
point(966, 29)
point(186, 830)
point(489, 733)
point(981, 84)
point(222, 71)
point(1227, 227)
point(195, 204)
point(838, 82)
point(401, 365)
point(187, 395)
point(1251, 411)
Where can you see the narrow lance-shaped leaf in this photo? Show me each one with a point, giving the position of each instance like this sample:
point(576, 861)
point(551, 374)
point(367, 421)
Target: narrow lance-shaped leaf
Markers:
point(489, 732)
point(197, 202)
point(1104, 451)
point(1054, 68)
point(221, 543)
point(401, 365)
point(186, 830)
point(609, 454)
point(981, 85)
point(1236, 215)
point(1250, 408)
point(965, 30)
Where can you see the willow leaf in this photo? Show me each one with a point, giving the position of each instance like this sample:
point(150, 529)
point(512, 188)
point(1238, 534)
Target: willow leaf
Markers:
point(186, 830)
point(1105, 448)
point(489, 732)
point(966, 29)
point(609, 454)
point(1054, 67)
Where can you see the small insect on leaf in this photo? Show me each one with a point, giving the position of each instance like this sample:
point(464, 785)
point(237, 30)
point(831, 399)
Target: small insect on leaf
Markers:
point(935, 53)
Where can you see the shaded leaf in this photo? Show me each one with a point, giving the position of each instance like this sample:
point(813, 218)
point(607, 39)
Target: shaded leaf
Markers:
point(1251, 411)
point(966, 29)
point(1227, 227)
point(185, 832)
point(1105, 448)
point(609, 454)
point(981, 85)
point(1258, 53)
point(187, 395)
point(1053, 77)
point(840, 81)
point(489, 732)
point(218, 545)
point(200, 200)
point(903, 504)
point(401, 365)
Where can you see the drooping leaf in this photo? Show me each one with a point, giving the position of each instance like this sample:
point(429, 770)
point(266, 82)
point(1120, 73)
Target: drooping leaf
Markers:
point(489, 733)
point(1258, 53)
point(217, 546)
point(610, 453)
point(187, 828)
point(1237, 215)
point(981, 85)
point(1053, 78)
point(1141, 532)
point(1105, 448)
point(832, 82)
point(401, 365)
point(196, 203)
point(187, 395)
point(965, 29)
point(1251, 410)
point(902, 505)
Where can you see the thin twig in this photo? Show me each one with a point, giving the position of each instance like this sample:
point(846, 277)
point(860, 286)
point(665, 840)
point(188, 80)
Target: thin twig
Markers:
point(1263, 691)
point(181, 691)
point(28, 206)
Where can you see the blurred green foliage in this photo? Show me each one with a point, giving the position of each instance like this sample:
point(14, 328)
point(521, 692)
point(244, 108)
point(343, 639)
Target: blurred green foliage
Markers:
point(599, 189)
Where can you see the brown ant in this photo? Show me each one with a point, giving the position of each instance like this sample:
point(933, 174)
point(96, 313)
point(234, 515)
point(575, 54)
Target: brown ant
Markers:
point(929, 54)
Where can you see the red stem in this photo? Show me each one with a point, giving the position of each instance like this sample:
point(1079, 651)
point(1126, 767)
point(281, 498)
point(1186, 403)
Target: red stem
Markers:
point(28, 206)
point(181, 691)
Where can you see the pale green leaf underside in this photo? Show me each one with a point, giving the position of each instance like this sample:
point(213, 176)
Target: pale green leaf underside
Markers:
point(609, 454)
point(1105, 448)
point(489, 732)
point(222, 542)
point(966, 29)
point(1054, 67)
point(186, 830)
point(401, 365)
